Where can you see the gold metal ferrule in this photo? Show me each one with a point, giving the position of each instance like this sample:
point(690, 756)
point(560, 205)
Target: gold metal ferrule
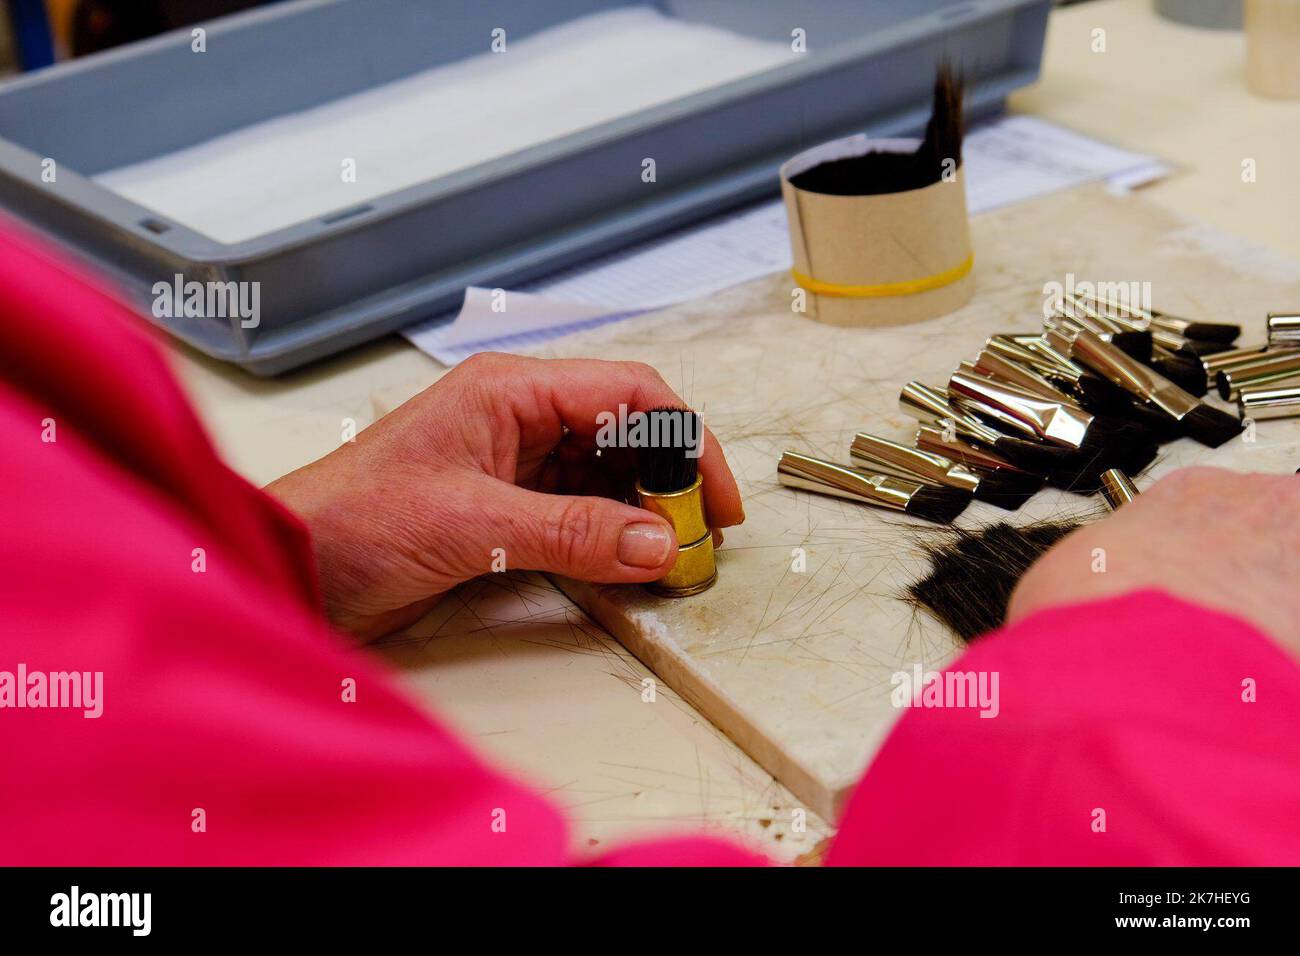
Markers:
point(696, 567)
point(1117, 488)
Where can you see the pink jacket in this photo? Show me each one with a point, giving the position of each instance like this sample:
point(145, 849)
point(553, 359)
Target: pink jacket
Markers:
point(221, 687)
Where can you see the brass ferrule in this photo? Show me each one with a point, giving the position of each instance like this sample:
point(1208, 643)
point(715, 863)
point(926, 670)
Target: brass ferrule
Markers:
point(1117, 488)
point(696, 568)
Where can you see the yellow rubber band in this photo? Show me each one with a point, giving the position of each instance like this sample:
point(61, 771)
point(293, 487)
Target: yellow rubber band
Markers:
point(907, 287)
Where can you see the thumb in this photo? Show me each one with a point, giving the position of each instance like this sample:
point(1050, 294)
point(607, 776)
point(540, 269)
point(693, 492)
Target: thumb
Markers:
point(583, 537)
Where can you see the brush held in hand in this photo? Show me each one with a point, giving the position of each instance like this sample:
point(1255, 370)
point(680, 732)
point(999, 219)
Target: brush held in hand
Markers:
point(668, 484)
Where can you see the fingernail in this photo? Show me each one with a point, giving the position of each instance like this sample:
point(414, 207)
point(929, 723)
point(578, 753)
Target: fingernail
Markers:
point(644, 545)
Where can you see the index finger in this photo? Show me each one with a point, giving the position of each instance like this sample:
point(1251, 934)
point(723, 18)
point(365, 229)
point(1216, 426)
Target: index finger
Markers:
point(580, 392)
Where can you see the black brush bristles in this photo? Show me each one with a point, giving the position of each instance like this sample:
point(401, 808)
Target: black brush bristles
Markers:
point(877, 172)
point(1209, 426)
point(1199, 348)
point(973, 573)
point(668, 458)
point(938, 503)
point(1136, 345)
point(1101, 396)
point(1007, 489)
point(1213, 332)
point(1035, 456)
point(1184, 371)
point(1210, 332)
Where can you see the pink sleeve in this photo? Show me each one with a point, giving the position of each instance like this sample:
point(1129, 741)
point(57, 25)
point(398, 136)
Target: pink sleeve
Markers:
point(1138, 731)
point(216, 720)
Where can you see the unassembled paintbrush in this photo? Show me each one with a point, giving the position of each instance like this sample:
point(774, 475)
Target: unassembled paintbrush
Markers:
point(669, 484)
point(1094, 393)
point(1222, 333)
point(1102, 442)
point(1005, 489)
point(931, 405)
point(938, 503)
point(1195, 419)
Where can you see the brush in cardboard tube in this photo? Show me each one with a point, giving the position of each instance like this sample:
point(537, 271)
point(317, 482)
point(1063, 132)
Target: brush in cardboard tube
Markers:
point(669, 485)
point(878, 227)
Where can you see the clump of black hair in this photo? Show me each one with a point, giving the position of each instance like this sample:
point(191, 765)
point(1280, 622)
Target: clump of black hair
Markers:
point(972, 573)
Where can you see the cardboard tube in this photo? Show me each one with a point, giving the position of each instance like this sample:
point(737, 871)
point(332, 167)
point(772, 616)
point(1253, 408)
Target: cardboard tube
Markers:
point(883, 259)
point(1273, 48)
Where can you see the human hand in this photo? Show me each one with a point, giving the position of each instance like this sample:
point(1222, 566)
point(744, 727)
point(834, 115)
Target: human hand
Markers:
point(1220, 539)
point(499, 454)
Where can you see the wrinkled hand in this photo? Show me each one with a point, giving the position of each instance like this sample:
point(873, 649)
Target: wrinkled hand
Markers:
point(499, 454)
point(1224, 540)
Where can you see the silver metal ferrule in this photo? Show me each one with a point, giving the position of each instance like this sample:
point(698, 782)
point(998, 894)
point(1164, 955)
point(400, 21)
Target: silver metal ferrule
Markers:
point(1284, 328)
point(1120, 310)
point(929, 438)
point(887, 457)
point(840, 481)
point(1232, 357)
point(1267, 370)
point(1117, 488)
point(1060, 423)
point(1012, 350)
point(1264, 403)
point(1094, 319)
point(1129, 374)
point(1040, 345)
point(931, 405)
point(989, 362)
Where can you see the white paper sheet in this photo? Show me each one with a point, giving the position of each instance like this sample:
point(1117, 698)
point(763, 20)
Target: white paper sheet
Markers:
point(1009, 160)
point(570, 77)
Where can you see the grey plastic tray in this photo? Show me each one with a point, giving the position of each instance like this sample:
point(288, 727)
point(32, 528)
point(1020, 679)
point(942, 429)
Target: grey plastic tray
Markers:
point(350, 276)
